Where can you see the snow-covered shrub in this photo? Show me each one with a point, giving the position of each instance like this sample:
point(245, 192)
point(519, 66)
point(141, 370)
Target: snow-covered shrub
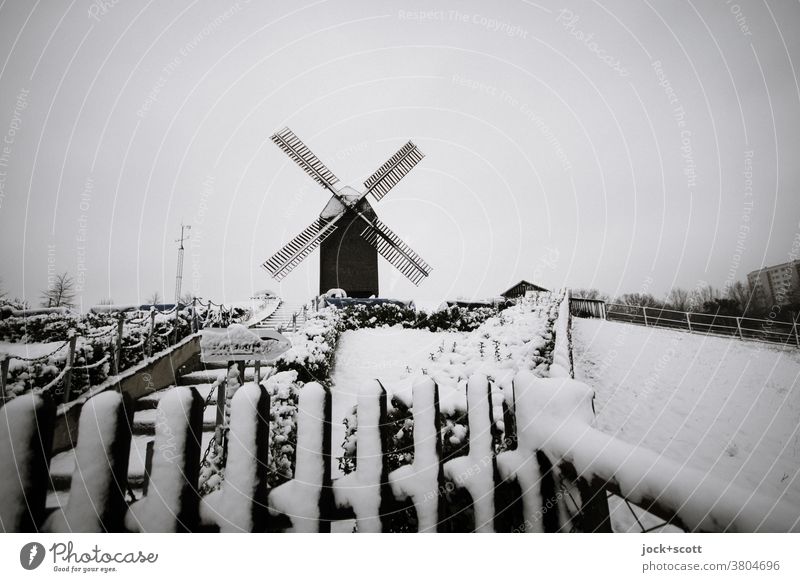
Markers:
point(371, 316)
point(313, 346)
point(453, 318)
point(456, 318)
point(39, 328)
point(96, 341)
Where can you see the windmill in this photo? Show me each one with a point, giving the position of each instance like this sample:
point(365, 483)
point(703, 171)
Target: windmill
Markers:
point(348, 231)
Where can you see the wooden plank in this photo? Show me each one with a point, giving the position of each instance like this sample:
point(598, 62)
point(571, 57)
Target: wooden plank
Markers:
point(147, 377)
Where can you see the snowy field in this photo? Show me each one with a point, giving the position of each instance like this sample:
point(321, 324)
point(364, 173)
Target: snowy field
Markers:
point(724, 406)
point(388, 354)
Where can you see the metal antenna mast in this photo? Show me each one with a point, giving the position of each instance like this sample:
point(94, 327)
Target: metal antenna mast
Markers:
point(179, 274)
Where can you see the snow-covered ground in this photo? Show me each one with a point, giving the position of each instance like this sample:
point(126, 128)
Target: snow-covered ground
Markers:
point(724, 406)
point(388, 354)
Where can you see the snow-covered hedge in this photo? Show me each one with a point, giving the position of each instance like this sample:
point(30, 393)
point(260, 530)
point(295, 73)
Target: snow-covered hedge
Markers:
point(453, 318)
point(313, 346)
point(96, 341)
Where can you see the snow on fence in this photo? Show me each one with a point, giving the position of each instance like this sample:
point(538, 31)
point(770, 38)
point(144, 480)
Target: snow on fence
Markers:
point(744, 328)
point(549, 471)
point(587, 307)
point(552, 476)
point(62, 385)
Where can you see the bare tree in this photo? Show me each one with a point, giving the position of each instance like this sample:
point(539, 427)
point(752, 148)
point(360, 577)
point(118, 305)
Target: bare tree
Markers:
point(107, 301)
point(701, 295)
point(679, 299)
point(154, 299)
point(639, 300)
point(61, 293)
point(741, 294)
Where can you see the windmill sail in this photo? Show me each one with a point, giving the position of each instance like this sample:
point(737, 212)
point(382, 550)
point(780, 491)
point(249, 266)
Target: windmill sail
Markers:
point(281, 263)
point(390, 173)
point(398, 253)
point(305, 158)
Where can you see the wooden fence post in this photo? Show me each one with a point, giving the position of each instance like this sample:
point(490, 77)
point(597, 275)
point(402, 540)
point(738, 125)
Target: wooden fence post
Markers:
point(423, 481)
point(172, 501)
point(120, 332)
point(243, 501)
point(70, 361)
point(794, 329)
point(4, 377)
point(372, 473)
point(26, 437)
point(326, 501)
point(308, 498)
point(100, 478)
point(148, 465)
point(477, 471)
point(739, 327)
point(688, 321)
point(177, 320)
point(219, 431)
point(644, 310)
point(152, 331)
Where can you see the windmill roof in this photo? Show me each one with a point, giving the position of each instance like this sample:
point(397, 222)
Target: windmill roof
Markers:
point(332, 209)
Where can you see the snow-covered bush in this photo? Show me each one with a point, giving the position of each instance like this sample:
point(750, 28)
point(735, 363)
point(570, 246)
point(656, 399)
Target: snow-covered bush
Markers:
point(39, 328)
point(96, 341)
point(456, 318)
point(313, 346)
point(379, 315)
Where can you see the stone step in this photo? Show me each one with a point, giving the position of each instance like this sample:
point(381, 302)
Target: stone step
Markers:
point(144, 421)
point(62, 465)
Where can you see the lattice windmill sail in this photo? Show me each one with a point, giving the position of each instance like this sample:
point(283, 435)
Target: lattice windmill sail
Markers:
point(348, 230)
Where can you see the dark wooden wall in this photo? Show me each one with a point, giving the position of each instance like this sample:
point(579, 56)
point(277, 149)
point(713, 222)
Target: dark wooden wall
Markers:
point(347, 261)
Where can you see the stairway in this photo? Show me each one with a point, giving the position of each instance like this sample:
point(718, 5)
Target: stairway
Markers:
point(145, 415)
point(281, 318)
point(143, 428)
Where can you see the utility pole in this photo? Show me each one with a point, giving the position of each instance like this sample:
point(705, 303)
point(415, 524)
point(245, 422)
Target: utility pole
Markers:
point(179, 274)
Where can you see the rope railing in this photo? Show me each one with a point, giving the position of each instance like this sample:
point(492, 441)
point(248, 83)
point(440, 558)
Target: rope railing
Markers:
point(42, 358)
point(136, 346)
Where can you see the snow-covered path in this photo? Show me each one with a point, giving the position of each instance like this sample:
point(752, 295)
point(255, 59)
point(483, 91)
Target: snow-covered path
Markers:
point(721, 405)
point(388, 354)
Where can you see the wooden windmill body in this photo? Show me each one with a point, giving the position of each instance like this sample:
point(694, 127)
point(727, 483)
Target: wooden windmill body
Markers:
point(348, 231)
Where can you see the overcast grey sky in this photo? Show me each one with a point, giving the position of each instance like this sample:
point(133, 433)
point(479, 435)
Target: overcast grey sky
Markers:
point(623, 145)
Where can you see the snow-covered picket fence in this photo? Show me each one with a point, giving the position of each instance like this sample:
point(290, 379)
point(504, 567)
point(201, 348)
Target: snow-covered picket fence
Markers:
point(557, 465)
point(546, 468)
